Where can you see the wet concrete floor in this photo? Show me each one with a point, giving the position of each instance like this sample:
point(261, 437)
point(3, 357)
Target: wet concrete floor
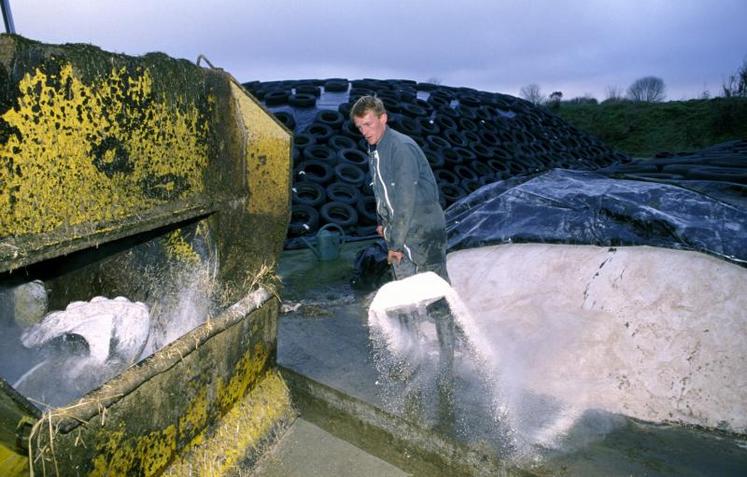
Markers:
point(307, 450)
point(323, 335)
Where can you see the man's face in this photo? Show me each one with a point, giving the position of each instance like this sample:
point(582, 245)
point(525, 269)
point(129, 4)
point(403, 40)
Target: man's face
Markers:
point(371, 126)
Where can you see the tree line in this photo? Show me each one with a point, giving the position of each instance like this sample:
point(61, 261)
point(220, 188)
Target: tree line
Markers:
point(649, 89)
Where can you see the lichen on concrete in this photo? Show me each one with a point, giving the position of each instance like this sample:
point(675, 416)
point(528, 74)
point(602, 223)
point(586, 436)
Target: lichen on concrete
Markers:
point(242, 433)
point(95, 152)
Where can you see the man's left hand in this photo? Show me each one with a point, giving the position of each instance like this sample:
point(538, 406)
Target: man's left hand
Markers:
point(393, 257)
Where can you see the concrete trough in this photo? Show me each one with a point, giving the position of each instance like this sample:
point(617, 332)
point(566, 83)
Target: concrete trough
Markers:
point(155, 180)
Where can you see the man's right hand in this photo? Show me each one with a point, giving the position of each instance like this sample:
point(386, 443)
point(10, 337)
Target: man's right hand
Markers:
point(393, 257)
point(380, 230)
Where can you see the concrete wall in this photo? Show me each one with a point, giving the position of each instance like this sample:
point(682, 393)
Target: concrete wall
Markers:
point(119, 175)
point(652, 333)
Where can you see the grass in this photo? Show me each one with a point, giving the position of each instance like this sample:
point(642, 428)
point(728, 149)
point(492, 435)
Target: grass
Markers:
point(643, 129)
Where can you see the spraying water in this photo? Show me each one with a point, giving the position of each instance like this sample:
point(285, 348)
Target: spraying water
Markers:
point(407, 347)
point(76, 350)
point(83, 346)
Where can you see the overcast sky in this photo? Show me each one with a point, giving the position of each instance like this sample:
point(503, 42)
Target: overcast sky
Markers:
point(574, 46)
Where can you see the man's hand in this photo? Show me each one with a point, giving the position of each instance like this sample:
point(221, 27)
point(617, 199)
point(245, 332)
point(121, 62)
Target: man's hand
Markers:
point(393, 257)
point(380, 230)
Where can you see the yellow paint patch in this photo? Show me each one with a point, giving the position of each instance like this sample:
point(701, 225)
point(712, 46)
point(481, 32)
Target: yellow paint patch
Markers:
point(12, 464)
point(241, 431)
point(148, 454)
point(122, 454)
point(95, 153)
point(178, 248)
point(247, 371)
point(268, 156)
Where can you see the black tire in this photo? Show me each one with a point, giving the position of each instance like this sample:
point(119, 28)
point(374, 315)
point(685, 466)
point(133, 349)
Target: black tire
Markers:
point(428, 127)
point(469, 101)
point(470, 185)
point(723, 174)
point(516, 168)
point(308, 89)
point(302, 100)
point(445, 176)
point(467, 124)
point(303, 140)
point(320, 152)
point(412, 110)
point(339, 142)
point(437, 142)
point(482, 151)
point(315, 171)
point(331, 118)
point(450, 192)
point(350, 174)
point(308, 193)
point(349, 129)
point(338, 213)
point(353, 156)
point(482, 169)
point(427, 107)
point(304, 220)
point(358, 91)
point(434, 157)
point(500, 167)
point(344, 109)
point(336, 85)
point(427, 86)
point(455, 137)
point(472, 137)
point(735, 161)
point(419, 140)
point(407, 96)
point(391, 105)
point(321, 132)
point(343, 192)
point(464, 172)
point(366, 208)
point(444, 122)
point(286, 119)
point(451, 157)
point(437, 102)
point(463, 156)
point(276, 97)
point(450, 113)
point(407, 126)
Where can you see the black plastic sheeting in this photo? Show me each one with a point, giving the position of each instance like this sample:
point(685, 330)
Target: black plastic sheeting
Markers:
point(582, 207)
point(718, 171)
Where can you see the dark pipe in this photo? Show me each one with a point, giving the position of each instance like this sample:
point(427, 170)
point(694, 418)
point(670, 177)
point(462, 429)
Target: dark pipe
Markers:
point(7, 16)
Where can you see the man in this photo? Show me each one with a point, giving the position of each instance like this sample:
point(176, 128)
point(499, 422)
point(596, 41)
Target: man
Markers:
point(410, 216)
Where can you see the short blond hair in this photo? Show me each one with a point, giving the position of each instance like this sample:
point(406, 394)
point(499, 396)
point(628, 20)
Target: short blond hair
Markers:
point(366, 104)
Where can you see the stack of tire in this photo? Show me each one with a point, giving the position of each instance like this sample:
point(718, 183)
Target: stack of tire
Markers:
point(471, 138)
point(719, 170)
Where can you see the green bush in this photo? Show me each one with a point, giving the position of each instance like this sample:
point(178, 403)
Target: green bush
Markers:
point(643, 129)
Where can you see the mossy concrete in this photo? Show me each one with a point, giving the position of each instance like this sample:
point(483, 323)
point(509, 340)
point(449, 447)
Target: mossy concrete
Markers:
point(138, 422)
point(120, 175)
point(238, 439)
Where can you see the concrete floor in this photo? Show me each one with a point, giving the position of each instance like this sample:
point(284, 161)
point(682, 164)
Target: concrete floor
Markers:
point(306, 450)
